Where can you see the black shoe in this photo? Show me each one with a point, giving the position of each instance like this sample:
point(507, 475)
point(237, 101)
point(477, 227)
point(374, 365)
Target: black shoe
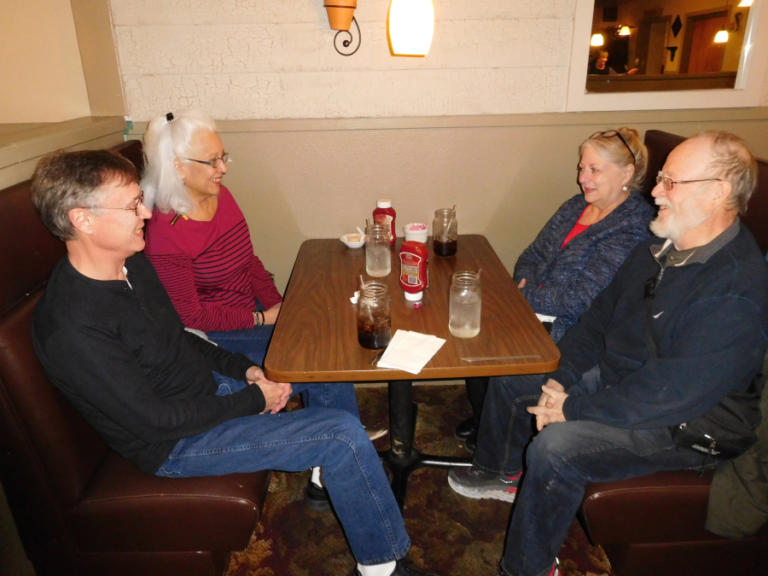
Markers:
point(466, 429)
point(403, 568)
point(317, 497)
point(471, 443)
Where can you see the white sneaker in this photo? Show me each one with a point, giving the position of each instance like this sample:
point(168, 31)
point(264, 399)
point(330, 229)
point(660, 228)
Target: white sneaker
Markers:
point(376, 433)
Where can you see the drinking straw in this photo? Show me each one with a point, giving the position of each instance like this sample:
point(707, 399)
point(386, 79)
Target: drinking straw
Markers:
point(450, 220)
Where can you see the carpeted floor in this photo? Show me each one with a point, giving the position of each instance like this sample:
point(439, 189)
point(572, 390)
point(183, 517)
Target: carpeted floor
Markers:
point(451, 535)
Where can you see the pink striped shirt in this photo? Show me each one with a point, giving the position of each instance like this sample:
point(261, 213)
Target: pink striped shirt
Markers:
point(209, 270)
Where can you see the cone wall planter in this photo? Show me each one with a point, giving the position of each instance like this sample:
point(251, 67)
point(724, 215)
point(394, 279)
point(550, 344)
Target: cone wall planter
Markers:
point(340, 13)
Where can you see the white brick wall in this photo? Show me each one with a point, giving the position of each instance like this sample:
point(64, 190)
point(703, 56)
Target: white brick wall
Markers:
point(275, 59)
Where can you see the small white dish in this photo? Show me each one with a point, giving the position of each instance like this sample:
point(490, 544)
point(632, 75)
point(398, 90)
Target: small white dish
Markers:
point(353, 240)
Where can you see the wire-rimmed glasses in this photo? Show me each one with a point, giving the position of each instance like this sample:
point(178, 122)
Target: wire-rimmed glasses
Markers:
point(225, 159)
point(133, 208)
point(669, 184)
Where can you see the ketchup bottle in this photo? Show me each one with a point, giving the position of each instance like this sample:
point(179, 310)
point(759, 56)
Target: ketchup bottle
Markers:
point(413, 272)
point(385, 214)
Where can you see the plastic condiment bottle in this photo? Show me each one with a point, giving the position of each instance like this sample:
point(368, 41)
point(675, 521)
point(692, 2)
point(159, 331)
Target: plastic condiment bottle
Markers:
point(385, 214)
point(413, 272)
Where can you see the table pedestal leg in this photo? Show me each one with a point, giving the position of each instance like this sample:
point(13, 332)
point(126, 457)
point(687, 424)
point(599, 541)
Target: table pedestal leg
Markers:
point(402, 458)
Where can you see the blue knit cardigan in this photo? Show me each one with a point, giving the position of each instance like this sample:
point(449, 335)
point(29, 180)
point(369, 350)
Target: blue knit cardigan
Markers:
point(563, 283)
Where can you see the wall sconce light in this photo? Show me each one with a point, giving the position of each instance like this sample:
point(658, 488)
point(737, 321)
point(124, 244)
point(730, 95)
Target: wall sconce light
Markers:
point(341, 15)
point(623, 31)
point(410, 26)
point(721, 37)
point(597, 40)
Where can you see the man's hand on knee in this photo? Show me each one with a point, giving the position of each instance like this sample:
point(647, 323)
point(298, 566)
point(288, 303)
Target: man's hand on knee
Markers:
point(276, 394)
point(550, 406)
point(545, 399)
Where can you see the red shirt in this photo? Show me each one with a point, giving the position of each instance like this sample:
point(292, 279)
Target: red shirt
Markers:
point(209, 270)
point(575, 231)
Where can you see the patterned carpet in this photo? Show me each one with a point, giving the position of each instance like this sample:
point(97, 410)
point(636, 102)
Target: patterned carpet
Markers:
point(451, 535)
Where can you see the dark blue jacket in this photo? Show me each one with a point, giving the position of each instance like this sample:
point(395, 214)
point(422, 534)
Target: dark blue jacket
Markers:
point(563, 283)
point(710, 324)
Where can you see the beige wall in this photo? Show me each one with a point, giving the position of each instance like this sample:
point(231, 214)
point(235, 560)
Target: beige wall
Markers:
point(477, 124)
point(98, 56)
point(22, 145)
point(40, 70)
point(267, 59)
point(506, 174)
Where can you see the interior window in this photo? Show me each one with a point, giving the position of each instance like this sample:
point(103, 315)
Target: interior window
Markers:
point(642, 45)
point(684, 48)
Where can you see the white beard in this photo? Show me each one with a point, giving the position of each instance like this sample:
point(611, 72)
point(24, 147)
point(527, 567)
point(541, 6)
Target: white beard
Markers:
point(679, 220)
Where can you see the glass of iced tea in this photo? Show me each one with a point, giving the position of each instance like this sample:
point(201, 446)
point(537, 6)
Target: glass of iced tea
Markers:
point(374, 321)
point(445, 235)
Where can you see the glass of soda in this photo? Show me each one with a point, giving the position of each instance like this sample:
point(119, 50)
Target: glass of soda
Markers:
point(374, 320)
point(445, 235)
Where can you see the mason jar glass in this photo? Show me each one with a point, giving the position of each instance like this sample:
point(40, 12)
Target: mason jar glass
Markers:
point(378, 255)
point(374, 321)
point(465, 304)
point(445, 232)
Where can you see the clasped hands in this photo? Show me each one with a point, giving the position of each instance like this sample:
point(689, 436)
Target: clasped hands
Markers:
point(549, 408)
point(276, 394)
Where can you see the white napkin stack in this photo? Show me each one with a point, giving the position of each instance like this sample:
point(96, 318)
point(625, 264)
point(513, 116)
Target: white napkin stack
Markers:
point(410, 351)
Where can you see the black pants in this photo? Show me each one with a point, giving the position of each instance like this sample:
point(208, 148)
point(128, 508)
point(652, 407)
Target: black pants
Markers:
point(476, 389)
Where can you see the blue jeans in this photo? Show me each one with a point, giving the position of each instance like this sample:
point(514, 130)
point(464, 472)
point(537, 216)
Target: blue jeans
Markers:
point(294, 441)
point(558, 462)
point(253, 342)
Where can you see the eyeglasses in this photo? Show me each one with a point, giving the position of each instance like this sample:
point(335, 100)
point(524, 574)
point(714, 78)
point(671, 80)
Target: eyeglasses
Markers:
point(668, 183)
point(133, 208)
point(611, 134)
point(224, 159)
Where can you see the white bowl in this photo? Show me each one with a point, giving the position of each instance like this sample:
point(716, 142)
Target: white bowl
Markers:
point(352, 240)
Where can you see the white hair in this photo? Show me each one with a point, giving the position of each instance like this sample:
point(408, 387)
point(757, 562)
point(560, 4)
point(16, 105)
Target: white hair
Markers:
point(168, 137)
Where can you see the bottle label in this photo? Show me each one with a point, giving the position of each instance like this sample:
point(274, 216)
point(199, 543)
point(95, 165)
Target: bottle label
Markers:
point(411, 270)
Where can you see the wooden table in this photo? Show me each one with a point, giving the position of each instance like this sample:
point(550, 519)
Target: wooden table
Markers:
point(315, 339)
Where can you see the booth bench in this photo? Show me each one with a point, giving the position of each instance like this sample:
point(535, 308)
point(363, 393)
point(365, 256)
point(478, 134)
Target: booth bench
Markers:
point(80, 508)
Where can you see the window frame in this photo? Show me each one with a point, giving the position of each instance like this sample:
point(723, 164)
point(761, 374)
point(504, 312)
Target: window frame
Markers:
point(745, 93)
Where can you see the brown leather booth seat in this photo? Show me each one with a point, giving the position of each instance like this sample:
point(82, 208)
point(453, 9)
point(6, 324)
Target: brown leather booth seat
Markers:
point(80, 508)
point(654, 525)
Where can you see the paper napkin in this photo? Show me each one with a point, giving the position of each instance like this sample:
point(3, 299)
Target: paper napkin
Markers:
point(410, 351)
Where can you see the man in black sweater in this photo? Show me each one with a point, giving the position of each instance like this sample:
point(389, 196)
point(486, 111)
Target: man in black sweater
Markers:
point(169, 401)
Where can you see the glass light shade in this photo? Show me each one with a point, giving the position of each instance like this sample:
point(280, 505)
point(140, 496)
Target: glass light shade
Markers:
point(410, 26)
point(597, 40)
point(624, 31)
point(745, 4)
point(721, 37)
